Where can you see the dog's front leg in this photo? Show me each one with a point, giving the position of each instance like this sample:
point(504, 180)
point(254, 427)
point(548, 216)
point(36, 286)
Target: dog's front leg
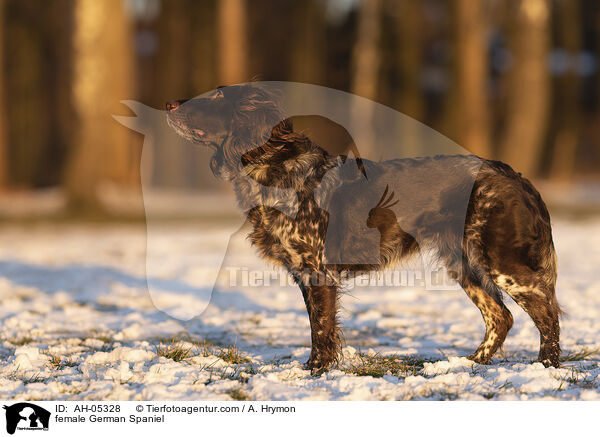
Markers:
point(321, 303)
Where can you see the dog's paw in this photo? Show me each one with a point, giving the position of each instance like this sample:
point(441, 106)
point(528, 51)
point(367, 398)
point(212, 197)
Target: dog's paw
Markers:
point(479, 358)
point(316, 372)
point(317, 367)
point(549, 361)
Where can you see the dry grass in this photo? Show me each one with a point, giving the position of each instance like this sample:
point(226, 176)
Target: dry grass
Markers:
point(379, 365)
point(233, 355)
point(22, 341)
point(206, 349)
point(60, 363)
point(580, 378)
point(174, 350)
point(33, 379)
point(579, 355)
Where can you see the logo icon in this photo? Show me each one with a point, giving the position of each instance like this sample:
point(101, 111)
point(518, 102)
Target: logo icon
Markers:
point(26, 416)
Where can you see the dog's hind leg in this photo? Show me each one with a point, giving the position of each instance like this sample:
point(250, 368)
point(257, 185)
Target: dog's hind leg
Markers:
point(515, 243)
point(539, 301)
point(498, 319)
point(525, 267)
point(486, 296)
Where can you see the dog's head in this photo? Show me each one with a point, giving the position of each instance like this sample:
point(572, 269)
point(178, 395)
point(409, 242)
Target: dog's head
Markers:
point(231, 120)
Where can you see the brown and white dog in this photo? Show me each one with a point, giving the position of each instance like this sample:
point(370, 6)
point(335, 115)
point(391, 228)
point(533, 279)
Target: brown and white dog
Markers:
point(488, 225)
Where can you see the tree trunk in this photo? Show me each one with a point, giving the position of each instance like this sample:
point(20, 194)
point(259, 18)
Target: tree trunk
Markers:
point(25, 75)
point(232, 37)
point(469, 106)
point(408, 98)
point(103, 67)
point(567, 89)
point(365, 75)
point(528, 90)
point(365, 56)
point(204, 78)
point(174, 62)
point(3, 124)
point(308, 51)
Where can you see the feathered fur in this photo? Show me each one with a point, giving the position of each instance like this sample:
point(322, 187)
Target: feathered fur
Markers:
point(501, 240)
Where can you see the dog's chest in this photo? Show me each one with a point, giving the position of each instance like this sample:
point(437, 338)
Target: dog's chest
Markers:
point(295, 242)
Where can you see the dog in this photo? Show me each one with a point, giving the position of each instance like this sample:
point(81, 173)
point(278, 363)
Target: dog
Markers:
point(488, 224)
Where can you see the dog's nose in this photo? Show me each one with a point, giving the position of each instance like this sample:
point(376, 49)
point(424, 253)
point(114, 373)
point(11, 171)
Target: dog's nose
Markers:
point(174, 104)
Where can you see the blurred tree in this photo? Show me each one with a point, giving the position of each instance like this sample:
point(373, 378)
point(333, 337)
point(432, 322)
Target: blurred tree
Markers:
point(231, 39)
point(37, 83)
point(308, 46)
point(173, 64)
point(528, 90)
point(468, 102)
point(270, 41)
point(409, 98)
point(203, 50)
point(3, 125)
point(27, 89)
point(203, 78)
point(567, 91)
point(365, 72)
point(340, 31)
point(102, 46)
point(403, 62)
point(365, 56)
point(185, 67)
point(58, 104)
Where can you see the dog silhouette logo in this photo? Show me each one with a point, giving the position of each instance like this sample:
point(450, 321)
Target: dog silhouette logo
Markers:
point(26, 416)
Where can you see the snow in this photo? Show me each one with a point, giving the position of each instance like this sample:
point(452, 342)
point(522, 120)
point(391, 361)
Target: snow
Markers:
point(78, 323)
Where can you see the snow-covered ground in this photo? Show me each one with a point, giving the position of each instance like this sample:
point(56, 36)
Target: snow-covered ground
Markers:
point(77, 322)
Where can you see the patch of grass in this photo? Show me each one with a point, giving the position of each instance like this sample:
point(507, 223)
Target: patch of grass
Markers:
point(17, 375)
point(579, 355)
point(238, 394)
point(206, 349)
point(240, 373)
point(578, 378)
point(561, 387)
point(233, 355)
point(22, 341)
point(379, 365)
point(506, 385)
point(237, 373)
point(34, 378)
point(174, 351)
point(59, 363)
